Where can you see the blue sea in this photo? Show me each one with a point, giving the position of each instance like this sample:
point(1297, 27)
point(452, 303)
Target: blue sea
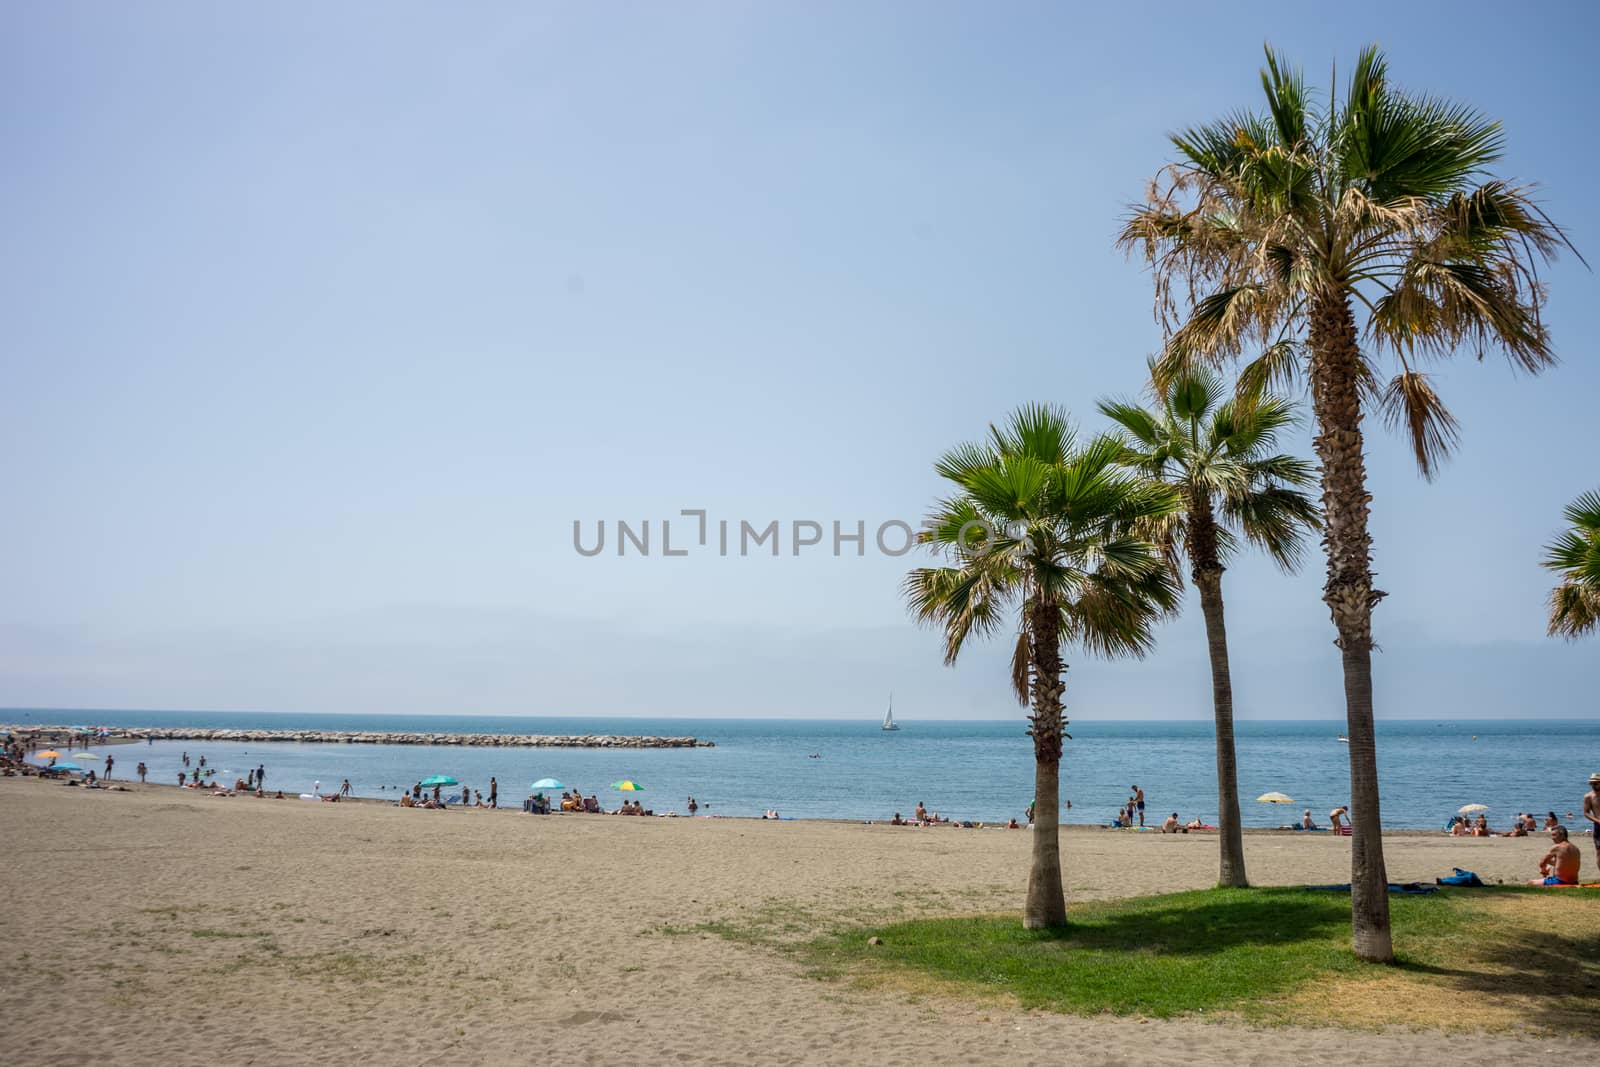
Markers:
point(964, 770)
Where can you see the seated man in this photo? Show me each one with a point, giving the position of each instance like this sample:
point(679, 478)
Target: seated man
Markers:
point(898, 821)
point(1307, 822)
point(1480, 827)
point(1171, 825)
point(1560, 864)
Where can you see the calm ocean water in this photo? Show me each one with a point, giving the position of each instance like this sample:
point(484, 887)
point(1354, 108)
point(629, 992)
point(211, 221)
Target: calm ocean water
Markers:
point(964, 770)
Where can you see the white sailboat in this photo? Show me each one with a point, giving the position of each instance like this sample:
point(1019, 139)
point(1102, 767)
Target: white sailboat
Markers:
point(888, 719)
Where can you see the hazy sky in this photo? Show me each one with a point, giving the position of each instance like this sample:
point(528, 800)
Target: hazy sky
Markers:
point(321, 324)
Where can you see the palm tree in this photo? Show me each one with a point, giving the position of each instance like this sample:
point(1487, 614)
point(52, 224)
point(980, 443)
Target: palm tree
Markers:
point(1218, 456)
point(1293, 228)
point(1038, 534)
point(1575, 556)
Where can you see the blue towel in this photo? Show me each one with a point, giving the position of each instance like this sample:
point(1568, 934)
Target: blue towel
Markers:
point(1460, 878)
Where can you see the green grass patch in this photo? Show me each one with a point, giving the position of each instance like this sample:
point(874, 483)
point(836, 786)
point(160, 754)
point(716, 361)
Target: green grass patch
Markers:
point(1527, 958)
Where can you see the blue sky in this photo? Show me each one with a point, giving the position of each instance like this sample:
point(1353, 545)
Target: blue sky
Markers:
point(321, 324)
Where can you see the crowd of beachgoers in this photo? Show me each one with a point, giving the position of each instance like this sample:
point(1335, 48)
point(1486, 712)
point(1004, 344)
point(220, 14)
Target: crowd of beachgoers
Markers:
point(31, 755)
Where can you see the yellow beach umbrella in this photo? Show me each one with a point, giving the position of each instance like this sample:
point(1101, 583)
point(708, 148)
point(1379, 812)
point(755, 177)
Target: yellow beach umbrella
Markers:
point(628, 785)
point(1274, 798)
point(49, 753)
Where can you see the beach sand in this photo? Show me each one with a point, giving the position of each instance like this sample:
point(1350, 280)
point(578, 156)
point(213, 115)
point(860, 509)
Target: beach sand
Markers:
point(158, 926)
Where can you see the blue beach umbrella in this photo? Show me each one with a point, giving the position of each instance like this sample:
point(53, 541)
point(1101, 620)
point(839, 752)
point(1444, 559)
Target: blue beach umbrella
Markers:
point(547, 783)
point(66, 767)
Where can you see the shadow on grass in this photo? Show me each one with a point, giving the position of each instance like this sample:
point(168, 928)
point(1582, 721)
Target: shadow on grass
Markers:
point(1206, 923)
point(1556, 976)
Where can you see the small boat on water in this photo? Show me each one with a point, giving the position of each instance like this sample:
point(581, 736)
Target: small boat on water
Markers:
point(888, 719)
point(1344, 740)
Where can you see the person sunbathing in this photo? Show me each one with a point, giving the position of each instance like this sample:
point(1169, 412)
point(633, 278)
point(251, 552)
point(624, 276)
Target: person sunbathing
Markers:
point(898, 821)
point(1480, 827)
point(1307, 822)
point(1560, 864)
point(1171, 825)
point(1194, 824)
point(1458, 828)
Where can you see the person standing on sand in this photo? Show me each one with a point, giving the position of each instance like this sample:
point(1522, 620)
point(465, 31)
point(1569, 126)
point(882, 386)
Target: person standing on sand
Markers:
point(494, 792)
point(1138, 800)
point(1591, 811)
point(110, 762)
point(1336, 817)
point(344, 790)
point(261, 776)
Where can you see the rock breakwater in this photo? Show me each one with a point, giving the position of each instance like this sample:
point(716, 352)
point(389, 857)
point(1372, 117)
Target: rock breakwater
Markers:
point(369, 737)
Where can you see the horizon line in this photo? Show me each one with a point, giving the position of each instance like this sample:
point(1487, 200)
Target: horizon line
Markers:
point(28, 711)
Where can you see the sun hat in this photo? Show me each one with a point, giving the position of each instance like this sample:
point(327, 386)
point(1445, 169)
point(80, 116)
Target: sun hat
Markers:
point(1593, 778)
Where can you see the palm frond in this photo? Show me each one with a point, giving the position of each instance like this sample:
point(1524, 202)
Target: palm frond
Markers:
point(1410, 403)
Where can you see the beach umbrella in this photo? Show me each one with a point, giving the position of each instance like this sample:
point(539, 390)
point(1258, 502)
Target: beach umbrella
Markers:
point(438, 779)
point(628, 785)
point(547, 783)
point(83, 755)
point(49, 753)
point(1468, 809)
point(1274, 798)
point(65, 767)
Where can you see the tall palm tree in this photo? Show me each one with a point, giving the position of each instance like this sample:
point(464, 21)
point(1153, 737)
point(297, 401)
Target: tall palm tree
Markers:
point(1293, 229)
point(1575, 556)
point(1038, 534)
point(1219, 457)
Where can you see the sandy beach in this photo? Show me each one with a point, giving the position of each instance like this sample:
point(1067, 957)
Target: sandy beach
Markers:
point(158, 926)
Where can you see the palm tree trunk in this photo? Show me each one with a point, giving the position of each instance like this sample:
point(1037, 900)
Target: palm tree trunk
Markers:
point(1207, 574)
point(1046, 905)
point(1335, 388)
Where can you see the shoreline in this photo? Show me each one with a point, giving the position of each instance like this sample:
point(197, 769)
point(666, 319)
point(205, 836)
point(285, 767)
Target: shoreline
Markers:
point(1076, 828)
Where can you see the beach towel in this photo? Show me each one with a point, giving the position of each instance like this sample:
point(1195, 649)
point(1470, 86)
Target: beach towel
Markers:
point(1394, 887)
point(1460, 878)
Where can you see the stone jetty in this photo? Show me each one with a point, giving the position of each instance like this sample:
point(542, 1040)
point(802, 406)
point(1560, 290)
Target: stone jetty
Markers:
point(367, 737)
